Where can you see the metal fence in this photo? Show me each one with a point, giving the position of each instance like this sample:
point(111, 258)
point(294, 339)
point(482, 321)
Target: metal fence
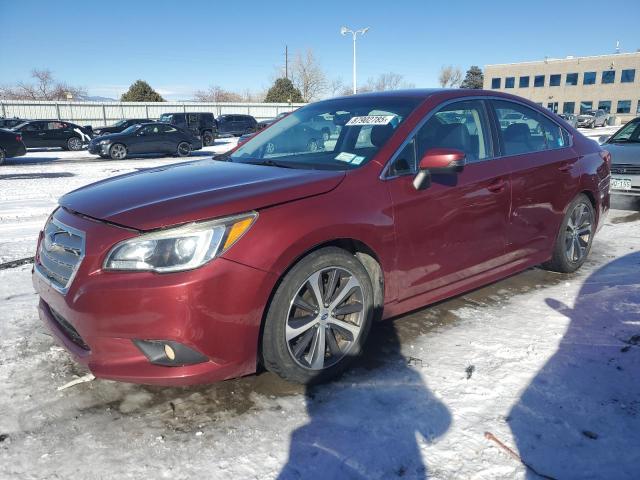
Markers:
point(98, 114)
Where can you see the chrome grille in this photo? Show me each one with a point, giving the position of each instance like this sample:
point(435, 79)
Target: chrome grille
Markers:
point(625, 168)
point(61, 251)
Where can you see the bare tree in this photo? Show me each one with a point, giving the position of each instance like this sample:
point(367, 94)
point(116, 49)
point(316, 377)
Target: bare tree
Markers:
point(386, 81)
point(45, 87)
point(307, 76)
point(450, 76)
point(336, 88)
point(216, 93)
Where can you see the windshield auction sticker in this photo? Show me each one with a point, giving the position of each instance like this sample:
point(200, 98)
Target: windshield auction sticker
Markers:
point(370, 120)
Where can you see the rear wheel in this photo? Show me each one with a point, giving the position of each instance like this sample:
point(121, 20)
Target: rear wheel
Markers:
point(118, 151)
point(184, 149)
point(74, 144)
point(574, 240)
point(319, 317)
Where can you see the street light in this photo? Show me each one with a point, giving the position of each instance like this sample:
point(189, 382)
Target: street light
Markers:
point(362, 31)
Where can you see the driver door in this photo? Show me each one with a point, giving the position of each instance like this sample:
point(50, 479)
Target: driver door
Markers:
point(147, 140)
point(455, 229)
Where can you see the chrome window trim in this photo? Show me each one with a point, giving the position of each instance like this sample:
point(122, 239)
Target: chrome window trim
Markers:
point(74, 231)
point(383, 175)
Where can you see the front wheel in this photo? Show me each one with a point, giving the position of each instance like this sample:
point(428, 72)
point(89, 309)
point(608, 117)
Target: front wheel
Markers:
point(574, 240)
point(118, 151)
point(74, 144)
point(184, 149)
point(319, 317)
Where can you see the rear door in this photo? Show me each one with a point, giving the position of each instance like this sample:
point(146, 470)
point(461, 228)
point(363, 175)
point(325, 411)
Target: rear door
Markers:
point(541, 160)
point(169, 137)
point(224, 124)
point(456, 228)
point(32, 134)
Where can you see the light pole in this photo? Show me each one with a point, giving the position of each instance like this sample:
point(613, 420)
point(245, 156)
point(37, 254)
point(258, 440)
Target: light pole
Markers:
point(354, 33)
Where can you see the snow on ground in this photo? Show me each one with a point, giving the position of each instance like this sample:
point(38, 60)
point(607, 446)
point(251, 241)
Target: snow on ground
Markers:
point(546, 363)
point(31, 185)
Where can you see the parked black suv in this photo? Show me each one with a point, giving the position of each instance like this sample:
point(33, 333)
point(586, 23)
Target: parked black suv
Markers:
point(236, 124)
point(201, 124)
point(53, 133)
point(120, 126)
point(10, 145)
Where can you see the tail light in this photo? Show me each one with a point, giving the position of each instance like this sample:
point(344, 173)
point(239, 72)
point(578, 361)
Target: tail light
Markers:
point(606, 156)
point(18, 138)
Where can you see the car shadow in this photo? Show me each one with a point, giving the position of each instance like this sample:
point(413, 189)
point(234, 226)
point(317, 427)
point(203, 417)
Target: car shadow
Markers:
point(580, 416)
point(369, 424)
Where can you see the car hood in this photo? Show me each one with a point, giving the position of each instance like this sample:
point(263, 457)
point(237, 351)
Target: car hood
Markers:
point(628, 153)
point(110, 136)
point(194, 191)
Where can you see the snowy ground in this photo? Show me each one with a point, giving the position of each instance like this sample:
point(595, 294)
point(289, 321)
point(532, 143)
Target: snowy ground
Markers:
point(547, 364)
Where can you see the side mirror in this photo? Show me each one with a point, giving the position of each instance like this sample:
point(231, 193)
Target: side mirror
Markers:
point(603, 138)
point(438, 161)
point(142, 134)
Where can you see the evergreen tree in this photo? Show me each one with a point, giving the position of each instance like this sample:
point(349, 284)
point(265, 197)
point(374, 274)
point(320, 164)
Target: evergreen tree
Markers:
point(283, 91)
point(473, 79)
point(141, 91)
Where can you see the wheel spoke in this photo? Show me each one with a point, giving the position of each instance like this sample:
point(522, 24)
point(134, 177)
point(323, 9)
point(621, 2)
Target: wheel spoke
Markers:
point(334, 348)
point(303, 343)
point(300, 302)
point(577, 250)
point(344, 292)
point(348, 308)
point(314, 282)
point(318, 349)
point(297, 326)
point(348, 330)
point(332, 281)
point(570, 252)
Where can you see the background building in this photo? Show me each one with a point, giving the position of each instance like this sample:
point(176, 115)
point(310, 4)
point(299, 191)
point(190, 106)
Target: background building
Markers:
point(574, 84)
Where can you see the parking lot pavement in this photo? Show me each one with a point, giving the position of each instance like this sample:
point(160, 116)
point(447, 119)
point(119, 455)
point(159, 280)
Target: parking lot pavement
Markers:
point(31, 185)
point(545, 363)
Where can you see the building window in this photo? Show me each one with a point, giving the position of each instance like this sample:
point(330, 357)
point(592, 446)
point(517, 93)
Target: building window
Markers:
point(585, 107)
point(495, 83)
point(509, 82)
point(538, 81)
point(523, 82)
point(605, 105)
point(554, 80)
point(638, 108)
point(624, 106)
point(572, 79)
point(589, 78)
point(608, 76)
point(628, 76)
point(569, 107)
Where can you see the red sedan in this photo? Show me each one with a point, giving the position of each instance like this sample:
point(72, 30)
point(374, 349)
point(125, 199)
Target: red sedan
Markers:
point(283, 254)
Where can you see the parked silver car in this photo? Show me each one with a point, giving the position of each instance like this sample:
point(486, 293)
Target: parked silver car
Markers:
point(570, 118)
point(624, 146)
point(592, 119)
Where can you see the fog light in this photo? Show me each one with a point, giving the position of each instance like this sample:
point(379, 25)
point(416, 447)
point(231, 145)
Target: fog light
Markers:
point(169, 353)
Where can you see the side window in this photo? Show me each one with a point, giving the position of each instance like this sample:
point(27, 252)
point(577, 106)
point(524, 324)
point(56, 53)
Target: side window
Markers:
point(460, 126)
point(167, 129)
point(523, 130)
point(405, 162)
point(33, 127)
point(192, 119)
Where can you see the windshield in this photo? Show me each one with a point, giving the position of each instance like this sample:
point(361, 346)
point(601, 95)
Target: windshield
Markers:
point(132, 128)
point(338, 134)
point(630, 133)
point(120, 123)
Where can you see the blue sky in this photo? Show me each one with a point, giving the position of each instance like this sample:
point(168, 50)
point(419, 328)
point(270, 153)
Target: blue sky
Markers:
point(182, 46)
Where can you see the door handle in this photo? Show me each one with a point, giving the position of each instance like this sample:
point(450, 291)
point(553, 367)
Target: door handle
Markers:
point(497, 186)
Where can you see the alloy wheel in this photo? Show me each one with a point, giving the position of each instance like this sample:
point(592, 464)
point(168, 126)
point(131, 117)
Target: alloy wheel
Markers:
point(325, 318)
point(74, 143)
point(118, 151)
point(578, 233)
point(184, 149)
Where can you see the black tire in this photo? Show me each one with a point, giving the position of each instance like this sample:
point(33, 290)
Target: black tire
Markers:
point(3, 156)
point(115, 151)
point(183, 149)
point(207, 139)
point(277, 355)
point(563, 260)
point(74, 144)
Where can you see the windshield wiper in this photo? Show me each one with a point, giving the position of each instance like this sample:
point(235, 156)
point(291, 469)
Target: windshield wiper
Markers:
point(269, 163)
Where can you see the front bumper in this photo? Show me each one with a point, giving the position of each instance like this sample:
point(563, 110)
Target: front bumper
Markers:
point(215, 310)
point(95, 148)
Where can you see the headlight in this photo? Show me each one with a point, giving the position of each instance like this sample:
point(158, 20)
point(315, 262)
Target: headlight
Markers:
point(104, 142)
point(177, 249)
